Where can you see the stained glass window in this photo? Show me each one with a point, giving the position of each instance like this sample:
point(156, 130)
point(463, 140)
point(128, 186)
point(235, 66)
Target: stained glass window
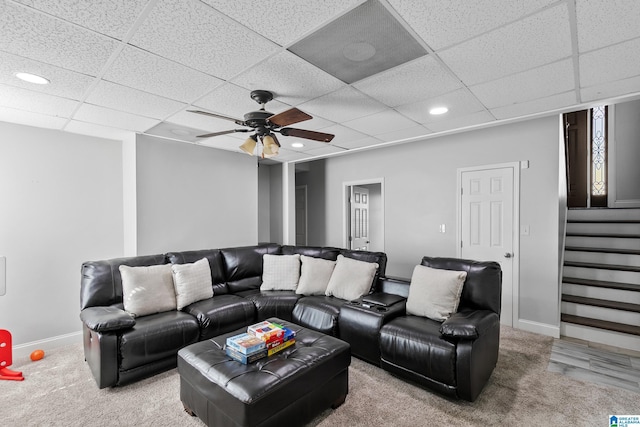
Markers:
point(598, 151)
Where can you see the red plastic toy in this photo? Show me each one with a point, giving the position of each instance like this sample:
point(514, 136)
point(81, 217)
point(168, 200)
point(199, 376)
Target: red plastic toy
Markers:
point(5, 358)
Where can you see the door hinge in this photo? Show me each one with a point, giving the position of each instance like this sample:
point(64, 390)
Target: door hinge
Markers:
point(461, 191)
point(350, 239)
point(460, 243)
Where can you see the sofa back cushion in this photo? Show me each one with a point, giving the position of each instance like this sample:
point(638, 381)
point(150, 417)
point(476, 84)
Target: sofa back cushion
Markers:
point(214, 256)
point(243, 265)
point(483, 285)
point(312, 251)
point(101, 283)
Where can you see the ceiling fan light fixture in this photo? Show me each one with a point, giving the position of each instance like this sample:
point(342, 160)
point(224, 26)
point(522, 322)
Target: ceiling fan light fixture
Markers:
point(249, 146)
point(270, 148)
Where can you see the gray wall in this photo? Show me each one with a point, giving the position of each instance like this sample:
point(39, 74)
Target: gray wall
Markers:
point(627, 155)
point(275, 207)
point(61, 204)
point(313, 176)
point(264, 203)
point(420, 194)
point(194, 197)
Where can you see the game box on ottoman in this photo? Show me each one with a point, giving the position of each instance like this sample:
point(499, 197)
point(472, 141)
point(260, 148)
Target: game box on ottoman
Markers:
point(288, 388)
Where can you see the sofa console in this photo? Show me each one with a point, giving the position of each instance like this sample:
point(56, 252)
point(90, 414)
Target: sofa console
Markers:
point(454, 357)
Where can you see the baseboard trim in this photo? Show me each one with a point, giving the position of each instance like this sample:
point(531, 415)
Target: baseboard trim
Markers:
point(539, 328)
point(24, 350)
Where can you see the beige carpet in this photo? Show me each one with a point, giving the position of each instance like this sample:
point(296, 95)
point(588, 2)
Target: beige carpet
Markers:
point(59, 391)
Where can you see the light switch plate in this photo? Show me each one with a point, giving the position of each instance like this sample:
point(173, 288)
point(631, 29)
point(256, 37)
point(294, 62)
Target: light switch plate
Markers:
point(3, 275)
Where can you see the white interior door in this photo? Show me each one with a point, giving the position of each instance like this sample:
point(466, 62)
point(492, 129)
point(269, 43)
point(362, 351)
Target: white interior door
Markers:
point(359, 214)
point(487, 225)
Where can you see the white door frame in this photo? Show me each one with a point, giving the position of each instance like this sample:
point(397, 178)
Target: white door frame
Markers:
point(515, 282)
point(345, 207)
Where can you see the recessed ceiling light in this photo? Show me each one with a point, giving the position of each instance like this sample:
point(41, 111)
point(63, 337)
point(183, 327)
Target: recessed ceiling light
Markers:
point(297, 145)
point(438, 110)
point(32, 78)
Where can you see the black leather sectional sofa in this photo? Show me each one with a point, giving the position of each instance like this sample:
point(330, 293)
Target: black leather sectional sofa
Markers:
point(454, 357)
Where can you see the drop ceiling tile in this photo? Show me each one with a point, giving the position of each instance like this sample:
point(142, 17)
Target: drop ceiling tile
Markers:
point(233, 101)
point(198, 121)
point(323, 151)
point(399, 135)
point(537, 40)
point(151, 73)
point(31, 119)
point(316, 123)
point(309, 144)
point(112, 118)
point(288, 20)
point(133, 101)
point(176, 132)
point(462, 121)
point(113, 17)
point(34, 35)
point(285, 155)
point(36, 102)
point(528, 85)
point(550, 103)
point(602, 24)
point(417, 80)
point(606, 90)
point(291, 79)
point(97, 130)
point(223, 142)
point(382, 122)
point(360, 143)
point(194, 34)
point(443, 23)
point(459, 102)
point(65, 83)
point(343, 135)
point(610, 63)
point(342, 105)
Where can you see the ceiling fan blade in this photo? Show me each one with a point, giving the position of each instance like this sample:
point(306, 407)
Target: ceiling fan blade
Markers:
point(218, 116)
point(289, 117)
point(224, 132)
point(307, 134)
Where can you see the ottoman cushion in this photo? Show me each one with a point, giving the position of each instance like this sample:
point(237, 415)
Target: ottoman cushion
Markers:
point(290, 387)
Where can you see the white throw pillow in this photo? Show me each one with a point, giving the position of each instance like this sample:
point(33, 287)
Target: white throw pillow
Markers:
point(315, 275)
point(280, 272)
point(435, 293)
point(351, 278)
point(192, 282)
point(147, 290)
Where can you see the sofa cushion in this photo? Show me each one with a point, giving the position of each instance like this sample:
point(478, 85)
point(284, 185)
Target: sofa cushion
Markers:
point(243, 265)
point(319, 313)
point(351, 278)
point(434, 293)
point(106, 319)
point(214, 256)
point(312, 251)
point(272, 303)
point(147, 290)
point(315, 274)
point(192, 282)
point(221, 314)
point(156, 337)
point(280, 272)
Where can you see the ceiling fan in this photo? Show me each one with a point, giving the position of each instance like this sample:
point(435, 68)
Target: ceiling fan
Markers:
point(265, 124)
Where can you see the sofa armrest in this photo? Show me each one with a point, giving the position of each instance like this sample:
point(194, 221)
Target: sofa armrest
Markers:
point(106, 319)
point(467, 324)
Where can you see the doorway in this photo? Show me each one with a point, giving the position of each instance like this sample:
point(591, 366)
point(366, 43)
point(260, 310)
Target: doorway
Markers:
point(488, 225)
point(363, 225)
point(301, 215)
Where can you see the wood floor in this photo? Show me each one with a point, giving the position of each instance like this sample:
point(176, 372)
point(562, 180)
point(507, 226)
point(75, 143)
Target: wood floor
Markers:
point(596, 363)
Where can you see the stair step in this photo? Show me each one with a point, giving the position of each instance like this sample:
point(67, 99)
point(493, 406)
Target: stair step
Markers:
point(604, 221)
point(601, 284)
point(616, 305)
point(603, 235)
point(602, 266)
point(603, 250)
point(601, 324)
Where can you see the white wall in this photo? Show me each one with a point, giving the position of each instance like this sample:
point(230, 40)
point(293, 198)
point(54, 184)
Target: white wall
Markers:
point(420, 194)
point(194, 197)
point(627, 154)
point(264, 203)
point(60, 205)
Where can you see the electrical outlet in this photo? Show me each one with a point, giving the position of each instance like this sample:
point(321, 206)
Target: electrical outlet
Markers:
point(443, 228)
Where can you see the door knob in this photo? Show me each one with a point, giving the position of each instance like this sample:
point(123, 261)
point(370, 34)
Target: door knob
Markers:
point(508, 255)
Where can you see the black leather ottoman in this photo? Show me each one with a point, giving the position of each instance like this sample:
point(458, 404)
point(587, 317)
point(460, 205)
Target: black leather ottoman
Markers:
point(289, 388)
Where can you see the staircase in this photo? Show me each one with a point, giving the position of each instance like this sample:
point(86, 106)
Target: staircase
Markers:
point(601, 277)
